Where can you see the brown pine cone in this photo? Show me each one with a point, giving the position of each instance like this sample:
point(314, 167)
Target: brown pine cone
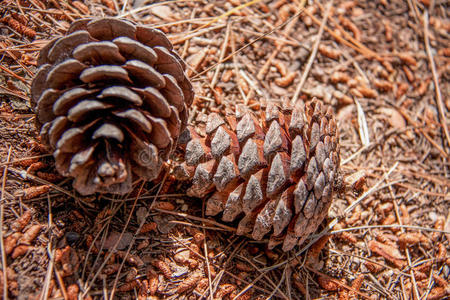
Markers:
point(275, 173)
point(111, 99)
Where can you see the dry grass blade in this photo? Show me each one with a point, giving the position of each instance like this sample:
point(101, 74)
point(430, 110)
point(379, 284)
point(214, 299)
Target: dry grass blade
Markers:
point(313, 53)
point(335, 221)
point(25, 176)
point(276, 287)
point(389, 226)
point(48, 276)
point(51, 253)
point(249, 44)
point(228, 13)
point(222, 54)
point(419, 128)
point(340, 284)
point(2, 244)
point(438, 98)
point(363, 128)
point(262, 72)
point(131, 244)
point(125, 14)
point(408, 255)
point(371, 190)
point(187, 216)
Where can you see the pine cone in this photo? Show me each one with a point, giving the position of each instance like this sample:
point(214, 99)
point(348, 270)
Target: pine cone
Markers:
point(275, 173)
point(111, 99)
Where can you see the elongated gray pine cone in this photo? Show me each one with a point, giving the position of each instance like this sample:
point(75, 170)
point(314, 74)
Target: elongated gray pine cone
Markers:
point(275, 173)
point(111, 98)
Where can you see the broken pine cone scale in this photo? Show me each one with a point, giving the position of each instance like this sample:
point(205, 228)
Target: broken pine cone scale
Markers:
point(111, 98)
point(274, 173)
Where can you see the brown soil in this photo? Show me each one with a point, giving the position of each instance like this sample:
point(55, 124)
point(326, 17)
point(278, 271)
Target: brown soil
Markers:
point(382, 65)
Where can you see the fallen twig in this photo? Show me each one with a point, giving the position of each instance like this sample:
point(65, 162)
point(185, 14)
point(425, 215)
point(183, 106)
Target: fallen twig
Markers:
point(438, 98)
point(2, 208)
point(313, 54)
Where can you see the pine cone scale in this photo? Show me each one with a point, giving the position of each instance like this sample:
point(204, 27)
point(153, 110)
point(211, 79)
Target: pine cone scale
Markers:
point(61, 49)
point(152, 38)
point(110, 28)
point(104, 52)
point(67, 99)
point(134, 50)
point(45, 104)
point(173, 93)
point(113, 92)
point(64, 74)
point(52, 131)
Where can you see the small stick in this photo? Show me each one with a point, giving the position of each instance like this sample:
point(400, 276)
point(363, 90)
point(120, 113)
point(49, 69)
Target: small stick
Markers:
point(250, 285)
point(184, 215)
point(130, 215)
point(229, 12)
point(51, 254)
point(347, 287)
point(187, 43)
point(262, 72)
point(25, 176)
point(23, 159)
point(2, 207)
point(63, 10)
point(60, 281)
point(196, 33)
point(408, 255)
point(235, 64)
point(8, 91)
point(249, 44)
point(416, 125)
point(13, 74)
point(363, 49)
point(222, 54)
point(335, 220)
point(435, 79)
point(313, 54)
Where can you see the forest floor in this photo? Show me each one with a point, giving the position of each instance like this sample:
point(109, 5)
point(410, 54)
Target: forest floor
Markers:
point(384, 66)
